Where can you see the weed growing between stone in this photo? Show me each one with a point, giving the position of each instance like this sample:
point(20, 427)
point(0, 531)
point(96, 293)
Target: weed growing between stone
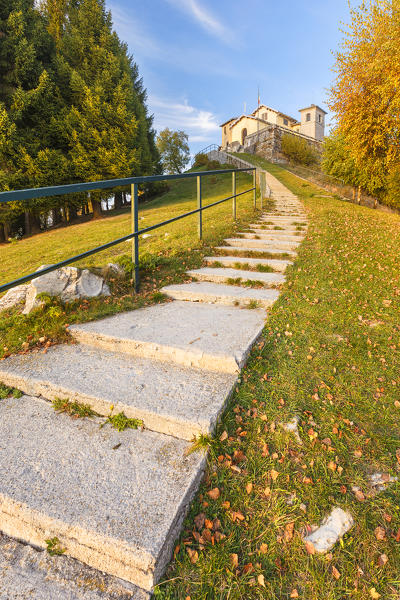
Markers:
point(121, 422)
point(73, 409)
point(6, 392)
point(53, 547)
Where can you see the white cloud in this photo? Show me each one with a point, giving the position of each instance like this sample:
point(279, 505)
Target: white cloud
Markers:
point(200, 125)
point(204, 18)
point(133, 32)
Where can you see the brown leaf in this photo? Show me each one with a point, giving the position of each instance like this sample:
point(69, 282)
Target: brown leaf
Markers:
point(234, 560)
point(288, 535)
point(216, 524)
point(382, 560)
point(310, 547)
point(335, 572)
point(214, 494)
point(332, 465)
point(237, 515)
point(260, 580)
point(380, 533)
point(294, 594)
point(219, 536)
point(206, 535)
point(223, 436)
point(249, 487)
point(267, 492)
point(357, 453)
point(193, 555)
point(177, 548)
point(226, 504)
point(199, 520)
point(263, 549)
point(208, 523)
point(359, 495)
point(248, 568)
point(274, 474)
point(374, 594)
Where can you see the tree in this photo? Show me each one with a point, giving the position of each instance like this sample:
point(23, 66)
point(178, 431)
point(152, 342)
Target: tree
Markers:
point(174, 150)
point(366, 93)
point(297, 150)
point(338, 161)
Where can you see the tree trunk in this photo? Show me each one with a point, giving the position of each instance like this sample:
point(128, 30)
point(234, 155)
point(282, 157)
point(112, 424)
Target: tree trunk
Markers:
point(359, 195)
point(96, 207)
point(73, 213)
point(118, 201)
point(2, 234)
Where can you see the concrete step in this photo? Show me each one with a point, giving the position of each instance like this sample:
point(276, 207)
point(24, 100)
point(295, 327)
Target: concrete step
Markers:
point(221, 274)
point(169, 398)
point(289, 228)
point(231, 261)
point(271, 251)
point(230, 295)
point(281, 236)
point(26, 572)
point(115, 500)
point(282, 218)
point(191, 334)
point(283, 246)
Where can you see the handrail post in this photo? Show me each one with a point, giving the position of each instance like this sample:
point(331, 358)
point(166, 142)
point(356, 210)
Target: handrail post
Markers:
point(255, 188)
point(199, 206)
point(135, 240)
point(234, 195)
point(262, 188)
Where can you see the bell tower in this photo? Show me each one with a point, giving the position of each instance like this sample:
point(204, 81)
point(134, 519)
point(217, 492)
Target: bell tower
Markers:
point(313, 122)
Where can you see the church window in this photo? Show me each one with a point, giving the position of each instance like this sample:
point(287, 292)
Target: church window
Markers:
point(308, 117)
point(285, 122)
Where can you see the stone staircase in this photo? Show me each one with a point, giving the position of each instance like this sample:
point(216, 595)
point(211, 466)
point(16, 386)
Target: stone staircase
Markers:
point(114, 500)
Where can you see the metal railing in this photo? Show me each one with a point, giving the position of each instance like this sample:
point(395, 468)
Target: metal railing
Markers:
point(59, 190)
point(205, 151)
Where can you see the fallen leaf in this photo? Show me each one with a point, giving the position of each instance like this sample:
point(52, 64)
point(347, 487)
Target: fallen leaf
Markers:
point(214, 494)
point(236, 515)
point(374, 594)
point(248, 568)
point(274, 474)
point(357, 453)
point(294, 594)
point(382, 560)
point(226, 504)
point(249, 488)
point(359, 495)
point(335, 572)
point(310, 547)
point(208, 524)
point(288, 535)
point(263, 549)
point(193, 555)
point(223, 436)
point(267, 491)
point(234, 560)
point(260, 580)
point(199, 520)
point(380, 533)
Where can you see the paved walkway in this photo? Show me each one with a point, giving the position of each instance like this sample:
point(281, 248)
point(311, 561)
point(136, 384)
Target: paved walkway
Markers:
point(116, 500)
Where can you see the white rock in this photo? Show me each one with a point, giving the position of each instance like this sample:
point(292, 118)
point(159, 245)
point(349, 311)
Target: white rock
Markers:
point(68, 283)
point(332, 528)
point(14, 297)
point(115, 270)
point(146, 235)
point(381, 480)
point(292, 427)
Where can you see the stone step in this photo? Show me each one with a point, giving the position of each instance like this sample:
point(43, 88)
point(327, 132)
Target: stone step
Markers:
point(221, 274)
point(230, 295)
point(281, 236)
point(115, 500)
point(231, 261)
point(283, 228)
point(270, 251)
point(169, 398)
point(282, 219)
point(27, 572)
point(283, 246)
point(192, 334)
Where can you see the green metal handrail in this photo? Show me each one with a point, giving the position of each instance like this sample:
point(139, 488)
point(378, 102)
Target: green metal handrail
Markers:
point(59, 190)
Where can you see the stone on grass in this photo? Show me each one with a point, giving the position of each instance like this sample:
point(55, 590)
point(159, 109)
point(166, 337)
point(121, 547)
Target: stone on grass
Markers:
point(379, 481)
point(68, 283)
point(332, 528)
point(292, 427)
point(14, 297)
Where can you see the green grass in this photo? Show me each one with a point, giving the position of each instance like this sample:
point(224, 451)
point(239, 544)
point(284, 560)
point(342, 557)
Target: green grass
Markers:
point(164, 258)
point(7, 392)
point(330, 353)
point(121, 422)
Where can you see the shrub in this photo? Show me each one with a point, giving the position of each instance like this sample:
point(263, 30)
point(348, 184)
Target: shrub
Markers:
point(201, 160)
point(298, 151)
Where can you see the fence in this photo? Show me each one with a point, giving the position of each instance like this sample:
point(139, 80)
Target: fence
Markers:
point(134, 182)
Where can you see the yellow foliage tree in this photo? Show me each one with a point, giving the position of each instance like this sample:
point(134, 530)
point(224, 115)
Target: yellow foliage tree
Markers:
point(366, 93)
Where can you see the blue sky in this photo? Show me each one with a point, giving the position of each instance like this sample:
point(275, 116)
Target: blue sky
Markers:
point(201, 61)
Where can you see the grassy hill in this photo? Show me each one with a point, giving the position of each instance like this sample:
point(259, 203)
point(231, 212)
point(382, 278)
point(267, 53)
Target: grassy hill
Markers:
point(164, 256)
